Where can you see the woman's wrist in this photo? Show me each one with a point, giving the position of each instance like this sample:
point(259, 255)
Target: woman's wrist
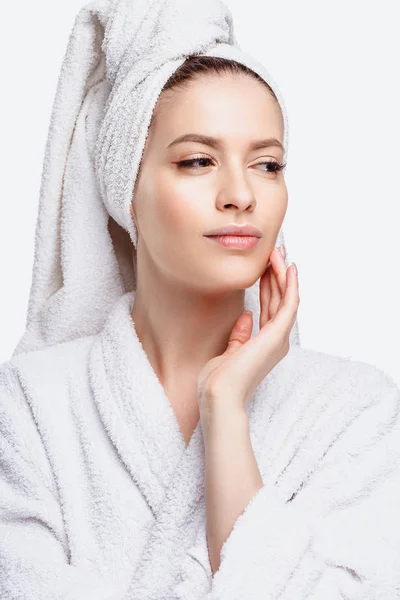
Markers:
point(219, 416)
point(232, 476)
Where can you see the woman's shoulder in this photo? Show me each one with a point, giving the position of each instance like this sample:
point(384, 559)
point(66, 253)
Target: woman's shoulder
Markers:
point(49, 355)
point(47, 370)
point(341, 379)
point(339, 421)
point(318, 364)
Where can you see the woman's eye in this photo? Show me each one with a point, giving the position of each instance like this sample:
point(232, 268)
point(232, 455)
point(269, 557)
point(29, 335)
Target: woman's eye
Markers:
point(184, 164)
point(272, 166)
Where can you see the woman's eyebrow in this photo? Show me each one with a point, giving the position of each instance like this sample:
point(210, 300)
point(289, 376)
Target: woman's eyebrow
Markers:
point(217, 142)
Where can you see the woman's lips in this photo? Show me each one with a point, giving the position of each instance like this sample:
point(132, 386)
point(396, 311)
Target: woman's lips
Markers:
point(234, 241)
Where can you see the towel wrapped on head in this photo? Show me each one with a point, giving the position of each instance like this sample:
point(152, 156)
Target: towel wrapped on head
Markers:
point(119, 56)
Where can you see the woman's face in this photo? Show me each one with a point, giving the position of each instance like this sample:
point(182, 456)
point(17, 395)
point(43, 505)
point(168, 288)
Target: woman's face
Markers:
point(175, 206)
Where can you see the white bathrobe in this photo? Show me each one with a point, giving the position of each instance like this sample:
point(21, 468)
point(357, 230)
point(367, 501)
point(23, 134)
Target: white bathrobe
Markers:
point(101, 499)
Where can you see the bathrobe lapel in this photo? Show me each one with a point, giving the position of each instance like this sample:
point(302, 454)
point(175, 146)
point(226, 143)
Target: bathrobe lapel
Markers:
point(146, 434)
point(133, 406)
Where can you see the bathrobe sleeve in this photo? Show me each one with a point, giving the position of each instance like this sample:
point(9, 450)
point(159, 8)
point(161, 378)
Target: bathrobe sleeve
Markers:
point(34, 562)
point(338, 537)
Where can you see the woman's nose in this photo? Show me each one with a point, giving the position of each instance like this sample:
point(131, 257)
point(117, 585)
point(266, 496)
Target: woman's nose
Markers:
point(236, 191)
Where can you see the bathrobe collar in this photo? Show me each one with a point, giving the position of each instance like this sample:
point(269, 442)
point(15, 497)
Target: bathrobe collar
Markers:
point(139, 417)
point(145, 432)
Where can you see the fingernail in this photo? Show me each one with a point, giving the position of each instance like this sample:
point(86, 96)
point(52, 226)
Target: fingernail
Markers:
point(283, 250)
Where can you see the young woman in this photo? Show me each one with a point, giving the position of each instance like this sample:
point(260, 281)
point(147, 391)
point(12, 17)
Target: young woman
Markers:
point(157, 440)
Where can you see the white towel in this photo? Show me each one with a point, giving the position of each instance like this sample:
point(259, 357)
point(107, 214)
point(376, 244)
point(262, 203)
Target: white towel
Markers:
point(119, 56)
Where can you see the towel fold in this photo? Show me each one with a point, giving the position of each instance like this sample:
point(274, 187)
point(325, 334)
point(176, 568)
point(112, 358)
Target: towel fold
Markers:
point(119, 55)
point(101, 498)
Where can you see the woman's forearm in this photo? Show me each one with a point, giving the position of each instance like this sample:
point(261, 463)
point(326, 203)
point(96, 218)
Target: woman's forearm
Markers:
point(232, 476)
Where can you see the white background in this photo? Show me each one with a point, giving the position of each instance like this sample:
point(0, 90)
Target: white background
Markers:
point(336, 64)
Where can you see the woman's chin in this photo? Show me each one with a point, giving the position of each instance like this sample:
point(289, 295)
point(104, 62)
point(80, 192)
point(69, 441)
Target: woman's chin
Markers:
point(233, 280)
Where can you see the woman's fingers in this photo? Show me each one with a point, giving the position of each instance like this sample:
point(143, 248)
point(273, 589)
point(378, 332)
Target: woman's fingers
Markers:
point(279, 267)
point(276, 295)
point(278, 289)
point(247, 360)
point(265, 296)
point(272, 286)
point(286, 316)
point(263, 351)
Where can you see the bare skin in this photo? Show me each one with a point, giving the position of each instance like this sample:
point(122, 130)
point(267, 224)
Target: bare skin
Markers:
point(190, 291)
point(225, 384)
point(188, 310)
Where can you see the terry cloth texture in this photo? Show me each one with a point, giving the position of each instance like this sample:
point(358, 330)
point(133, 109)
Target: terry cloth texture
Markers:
point(119, 56)
point(101, 498)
